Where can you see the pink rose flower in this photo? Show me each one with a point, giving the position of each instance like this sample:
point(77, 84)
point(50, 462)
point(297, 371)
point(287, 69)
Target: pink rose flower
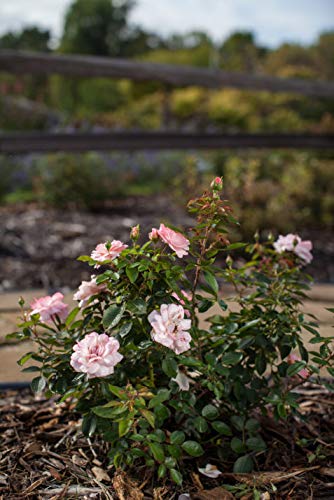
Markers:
point(87, 289)
point(303, 373)
point(176, 241)
point(293, 243)
point(102, 253)
point(49, 307)
point(153, 235)
point(169, 327)
point(184, 295)
point(303, 250)
point(96, 355)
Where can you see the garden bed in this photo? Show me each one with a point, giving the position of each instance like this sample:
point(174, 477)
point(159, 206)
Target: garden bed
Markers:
point(43, 455)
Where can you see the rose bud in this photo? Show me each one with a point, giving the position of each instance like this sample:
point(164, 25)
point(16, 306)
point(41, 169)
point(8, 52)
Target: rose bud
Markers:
point(217, 184)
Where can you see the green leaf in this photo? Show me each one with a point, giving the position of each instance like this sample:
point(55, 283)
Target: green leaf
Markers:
point(160, 397)
point(260, 363)
point(109, 412)
point(295, 368)
point(157, 451)
point(38, 384)
point(177, 437)
point(201, 424)
point(137, 306)
point(193, 448)
point(88, 425)
point(210, 412)
point(132, 273)
point(112, 316)
point(176, 476)
point(256, 444)
point(223, 304)
point(243, 465)
point(281, 410)
point(162, 471)
point(24, 358)
point(124, 426)
point(125, 329)
point(237, 445)
point(204, 305)
point(169, 366)
point(149, 416)
point(71, 317)
point(232, 358)
point(84, 258)
point(238, 422)
point(31, 369)
point(212, 282)
point(118, 391)
point(222, 428)
point(252, 425)
point(234, 246)
point(249, 325)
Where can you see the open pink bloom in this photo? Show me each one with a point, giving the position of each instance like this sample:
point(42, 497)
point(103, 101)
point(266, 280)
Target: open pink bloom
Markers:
point(87, 289)
point(303, 373)
point(184, 295)
point(169, 327)
point(293, 243)
point(176, 241)
point(50, 306)
point(303, 250)
point(102, 253)
point(96, 354)
point(153, 235)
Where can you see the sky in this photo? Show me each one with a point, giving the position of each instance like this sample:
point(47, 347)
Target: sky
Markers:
point(273, 21)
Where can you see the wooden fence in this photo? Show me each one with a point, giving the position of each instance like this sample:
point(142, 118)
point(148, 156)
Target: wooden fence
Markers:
point(132, 141)
point(87, 66)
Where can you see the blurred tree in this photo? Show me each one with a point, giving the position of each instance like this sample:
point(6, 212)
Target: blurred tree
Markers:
point(239, 52)
point(290, 60)
point(29, 38)
point(96, 27)
point(323, 53)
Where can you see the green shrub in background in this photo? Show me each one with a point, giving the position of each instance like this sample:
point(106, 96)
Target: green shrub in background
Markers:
point(279, 190)
point(78, 181)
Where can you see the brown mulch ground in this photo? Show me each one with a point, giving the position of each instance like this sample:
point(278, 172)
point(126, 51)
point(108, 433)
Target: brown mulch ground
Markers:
point(38, 246)
point(44, 456)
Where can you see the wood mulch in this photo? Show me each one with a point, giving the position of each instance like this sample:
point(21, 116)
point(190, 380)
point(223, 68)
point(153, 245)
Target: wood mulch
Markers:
point(43, 455)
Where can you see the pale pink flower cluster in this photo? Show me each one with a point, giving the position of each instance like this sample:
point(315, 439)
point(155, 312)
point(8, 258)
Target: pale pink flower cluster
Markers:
point(293, 243)
point(96, 354)
point(303, 373)
point(184, 295)
point(105, 251)
point(169, 327)
point(49, 307)
point(176, 241)
point(87, 289)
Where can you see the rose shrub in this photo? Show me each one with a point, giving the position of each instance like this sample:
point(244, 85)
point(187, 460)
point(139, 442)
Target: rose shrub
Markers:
point(155, 382)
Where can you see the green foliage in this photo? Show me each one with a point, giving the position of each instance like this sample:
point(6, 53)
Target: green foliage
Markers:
point(66, 180)
point(159, 408)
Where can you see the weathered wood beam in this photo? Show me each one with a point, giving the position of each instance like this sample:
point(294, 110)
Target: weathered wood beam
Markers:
point(175, 75)
point(15, 143)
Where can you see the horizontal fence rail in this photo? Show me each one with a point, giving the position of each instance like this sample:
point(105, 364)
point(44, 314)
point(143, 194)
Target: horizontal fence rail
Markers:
point(174, 75)
point(15, 143)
